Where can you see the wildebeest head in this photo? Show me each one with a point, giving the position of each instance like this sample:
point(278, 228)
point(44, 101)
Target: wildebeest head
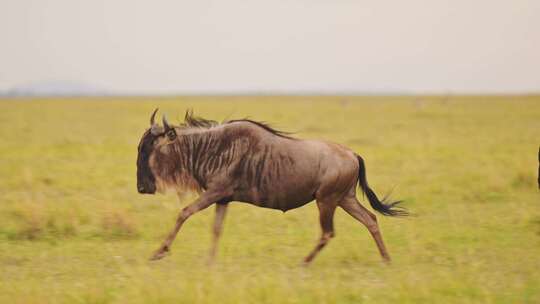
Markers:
point(154, 136)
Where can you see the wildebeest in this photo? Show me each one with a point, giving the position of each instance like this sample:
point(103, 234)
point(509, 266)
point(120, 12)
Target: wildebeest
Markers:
point(248, 161)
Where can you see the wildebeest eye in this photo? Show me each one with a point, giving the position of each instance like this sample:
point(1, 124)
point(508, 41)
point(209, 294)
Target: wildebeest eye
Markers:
point(171, 134)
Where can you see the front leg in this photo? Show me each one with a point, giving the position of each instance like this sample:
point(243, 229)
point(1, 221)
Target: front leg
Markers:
point(221, 209)
point(203, 202)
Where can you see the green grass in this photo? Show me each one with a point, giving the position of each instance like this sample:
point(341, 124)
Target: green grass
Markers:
point(73, 228)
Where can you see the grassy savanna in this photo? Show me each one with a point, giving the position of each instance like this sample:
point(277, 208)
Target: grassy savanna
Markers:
point(73, 228)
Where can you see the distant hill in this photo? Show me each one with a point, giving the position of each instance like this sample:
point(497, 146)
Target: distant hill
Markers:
point(76, 89)
point(58, 88)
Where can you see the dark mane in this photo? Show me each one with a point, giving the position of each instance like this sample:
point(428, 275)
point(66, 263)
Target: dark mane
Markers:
point(191, 120)
point(265, 126)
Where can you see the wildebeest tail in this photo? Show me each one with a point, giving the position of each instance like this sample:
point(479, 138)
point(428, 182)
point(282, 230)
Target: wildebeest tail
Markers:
point(391, 208)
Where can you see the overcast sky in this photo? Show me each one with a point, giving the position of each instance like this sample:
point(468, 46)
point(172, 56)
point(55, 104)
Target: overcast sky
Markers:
point(301, 46)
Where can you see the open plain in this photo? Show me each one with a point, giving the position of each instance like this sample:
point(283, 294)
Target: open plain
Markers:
point(73, 228)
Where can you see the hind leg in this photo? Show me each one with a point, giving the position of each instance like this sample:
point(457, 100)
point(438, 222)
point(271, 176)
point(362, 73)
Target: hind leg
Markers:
point(326, 218)
point(353, 207)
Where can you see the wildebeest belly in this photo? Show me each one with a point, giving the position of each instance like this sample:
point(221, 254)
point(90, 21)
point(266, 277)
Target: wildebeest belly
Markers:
point(278, 201)
point(288, 192)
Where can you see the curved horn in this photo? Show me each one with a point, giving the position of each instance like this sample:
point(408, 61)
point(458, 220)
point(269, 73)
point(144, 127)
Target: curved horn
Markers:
point(166, 124)
point(153, 117)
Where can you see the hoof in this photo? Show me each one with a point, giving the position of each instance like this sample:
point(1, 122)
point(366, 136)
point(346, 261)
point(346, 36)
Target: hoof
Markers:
point(305, 263)
point(160, 254)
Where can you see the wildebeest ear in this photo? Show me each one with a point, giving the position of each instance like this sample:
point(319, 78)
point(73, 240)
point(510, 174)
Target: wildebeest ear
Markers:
point(171, 134)
point(165, 124)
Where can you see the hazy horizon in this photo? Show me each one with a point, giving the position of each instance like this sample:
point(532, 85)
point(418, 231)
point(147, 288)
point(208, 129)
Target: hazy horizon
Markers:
point(262, 47)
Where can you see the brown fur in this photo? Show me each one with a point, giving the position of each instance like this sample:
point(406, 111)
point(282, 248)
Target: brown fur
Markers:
point(248, 161)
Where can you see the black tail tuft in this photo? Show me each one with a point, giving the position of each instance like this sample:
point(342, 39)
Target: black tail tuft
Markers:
point(391, 208)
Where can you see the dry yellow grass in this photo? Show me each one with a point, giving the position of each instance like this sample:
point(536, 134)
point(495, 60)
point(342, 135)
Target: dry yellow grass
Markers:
point(74, 230)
